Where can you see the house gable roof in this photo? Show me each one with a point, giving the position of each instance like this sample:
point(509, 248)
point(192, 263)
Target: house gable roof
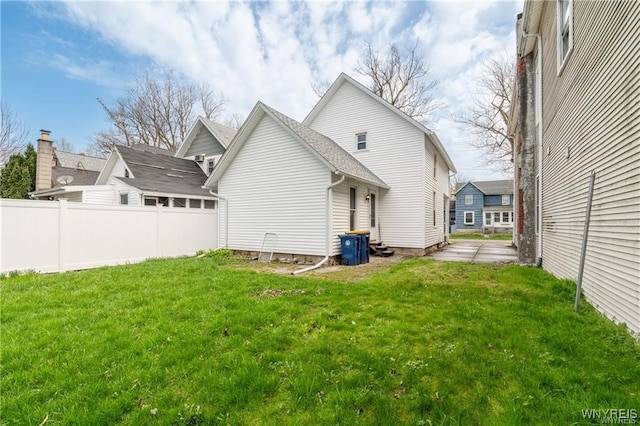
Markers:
point(490, 187)
point(345, 79)
point(79, 161)
point(223, 134)
point(326, 150)
point(157, 173)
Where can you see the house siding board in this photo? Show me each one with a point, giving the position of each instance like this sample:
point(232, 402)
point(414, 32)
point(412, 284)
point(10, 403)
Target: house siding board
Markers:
point(340, 214)
point(119, 186)
point(496, 200)
point(592, 110)
point(476, 207)
point(99, 197)
point(272, 165)
point(204, 143)
point(395, 153)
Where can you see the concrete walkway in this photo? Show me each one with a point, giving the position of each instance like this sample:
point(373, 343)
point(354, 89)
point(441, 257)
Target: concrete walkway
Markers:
point(481, 251)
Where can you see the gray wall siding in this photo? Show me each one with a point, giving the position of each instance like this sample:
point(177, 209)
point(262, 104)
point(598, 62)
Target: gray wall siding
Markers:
point(591, 121)
point(275, 185)
point(204, 143)
point(395, 152)
point(476, 207)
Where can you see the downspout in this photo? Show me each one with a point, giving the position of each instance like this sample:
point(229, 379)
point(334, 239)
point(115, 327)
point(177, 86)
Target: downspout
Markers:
point(328, 230)
point(226, 215)
point(538, 96)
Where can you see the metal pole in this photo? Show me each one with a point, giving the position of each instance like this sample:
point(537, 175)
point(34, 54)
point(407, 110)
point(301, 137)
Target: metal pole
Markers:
point(585, 235)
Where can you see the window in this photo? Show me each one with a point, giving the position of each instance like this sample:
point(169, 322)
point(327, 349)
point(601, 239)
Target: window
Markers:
point(468, 218)
point(352, 208)
point(126, 173)
point(163, 201)
point(124, 198)
point(361, 141)
point(434, 208)
point(209, 204)
point(487, 219)
point(506, 199)
point(564, 11)
point(194, 204)
point(372, 200)
point(435, 165)
point(496, 217)
point(150, 201)
point(210, 165)
point(468, 200)
point(505, 217)
point(179, 202)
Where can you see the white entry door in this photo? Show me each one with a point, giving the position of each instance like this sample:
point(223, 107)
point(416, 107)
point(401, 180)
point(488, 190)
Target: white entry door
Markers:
point(373, 215)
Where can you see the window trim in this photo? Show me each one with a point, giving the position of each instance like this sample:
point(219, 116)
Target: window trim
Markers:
point(473, 217)
point(124, 194)
point(353, 211)
point(561, 27)
point(467, 203)
point(211, 164)
point(508, 199)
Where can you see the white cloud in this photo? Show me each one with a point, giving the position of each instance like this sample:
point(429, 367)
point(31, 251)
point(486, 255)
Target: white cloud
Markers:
point(274, 51)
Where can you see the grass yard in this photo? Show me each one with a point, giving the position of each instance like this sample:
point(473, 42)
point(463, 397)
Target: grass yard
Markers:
point(205, 341)
point(479, 236)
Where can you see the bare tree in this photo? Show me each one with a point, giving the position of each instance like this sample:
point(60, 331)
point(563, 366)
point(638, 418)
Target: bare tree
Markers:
point(157, 111)
point(401, 78)
point(488, 118)
point(64, 145)
point(234, 120)
point(14, 134)
point(458, 178)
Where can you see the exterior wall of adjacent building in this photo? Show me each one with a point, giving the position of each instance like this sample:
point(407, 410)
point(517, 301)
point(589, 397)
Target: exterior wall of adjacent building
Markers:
point(590, 123)
point(476, 205)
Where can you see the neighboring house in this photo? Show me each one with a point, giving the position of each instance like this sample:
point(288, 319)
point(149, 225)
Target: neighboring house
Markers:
point(484, 206)
point(146, 176)
point(141, 175)
point(63, 174)
point(205, 143)
point(577, 93)
point(356, 163)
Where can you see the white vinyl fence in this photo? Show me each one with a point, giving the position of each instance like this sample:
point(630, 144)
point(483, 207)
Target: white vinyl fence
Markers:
point(56, 236)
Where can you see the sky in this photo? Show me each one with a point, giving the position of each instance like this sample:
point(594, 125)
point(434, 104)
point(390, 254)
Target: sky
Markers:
point(58, 58)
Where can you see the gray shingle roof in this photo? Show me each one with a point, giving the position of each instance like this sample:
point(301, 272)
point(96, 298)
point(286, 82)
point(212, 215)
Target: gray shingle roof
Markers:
point(152, 149)
point(79, 161)
point(225, 133)
point(491, 187)
point(330, 151)
point(61, 176)
point(163, 173)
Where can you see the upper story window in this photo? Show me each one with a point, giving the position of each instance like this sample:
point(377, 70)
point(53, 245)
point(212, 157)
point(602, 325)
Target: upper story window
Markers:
point(564, 11)
point(468, 200)
point(126, 173)
point(435, 165)
point(506, 198)
point(210, 165)
point(361, 141)
point(124, 198)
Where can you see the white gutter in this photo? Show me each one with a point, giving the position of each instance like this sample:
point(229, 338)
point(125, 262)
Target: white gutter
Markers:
point(327, 227)
point(538, 111)
point(226, 215)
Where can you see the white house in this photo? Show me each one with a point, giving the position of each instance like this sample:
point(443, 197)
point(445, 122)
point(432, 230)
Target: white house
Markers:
point(408, 157)
point(356, 162)
point(577, 96)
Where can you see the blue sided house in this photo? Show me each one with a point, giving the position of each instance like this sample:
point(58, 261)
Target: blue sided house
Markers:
point(484, 206)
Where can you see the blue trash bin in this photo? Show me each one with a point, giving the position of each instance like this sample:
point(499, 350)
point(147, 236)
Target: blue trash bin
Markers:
point(350, 245)
point(363, 248)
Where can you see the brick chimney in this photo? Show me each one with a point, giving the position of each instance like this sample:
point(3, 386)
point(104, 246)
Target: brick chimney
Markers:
point(44, 162)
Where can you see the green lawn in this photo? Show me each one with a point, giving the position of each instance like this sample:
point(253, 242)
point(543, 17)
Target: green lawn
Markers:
point(203, 341)
point(479, 236)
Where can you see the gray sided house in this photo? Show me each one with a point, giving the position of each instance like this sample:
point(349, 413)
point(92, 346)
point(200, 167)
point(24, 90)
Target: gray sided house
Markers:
point(484, 206)
point(576, 112)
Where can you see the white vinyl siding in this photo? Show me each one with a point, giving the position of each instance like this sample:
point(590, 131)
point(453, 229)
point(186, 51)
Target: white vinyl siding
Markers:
point(340, 213)
point(395, 153)
point(275, 184)
point(591, 111)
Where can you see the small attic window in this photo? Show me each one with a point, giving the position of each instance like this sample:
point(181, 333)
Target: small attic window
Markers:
point(361, 141)
point(126, 173)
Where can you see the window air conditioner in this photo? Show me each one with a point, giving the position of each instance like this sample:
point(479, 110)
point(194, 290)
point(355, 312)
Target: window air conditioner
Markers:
point(200, 158)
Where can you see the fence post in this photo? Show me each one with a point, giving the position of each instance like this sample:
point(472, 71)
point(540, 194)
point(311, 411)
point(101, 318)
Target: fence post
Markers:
point(62, 235)
point(158, 218)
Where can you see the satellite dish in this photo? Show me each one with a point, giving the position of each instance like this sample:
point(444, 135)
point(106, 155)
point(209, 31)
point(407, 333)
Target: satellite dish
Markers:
point(64, 180)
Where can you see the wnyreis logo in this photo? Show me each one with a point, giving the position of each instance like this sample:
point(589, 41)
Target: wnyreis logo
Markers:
point(628, 416)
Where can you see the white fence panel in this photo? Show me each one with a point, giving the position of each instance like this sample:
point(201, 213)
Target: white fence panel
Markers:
point(48, 236)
